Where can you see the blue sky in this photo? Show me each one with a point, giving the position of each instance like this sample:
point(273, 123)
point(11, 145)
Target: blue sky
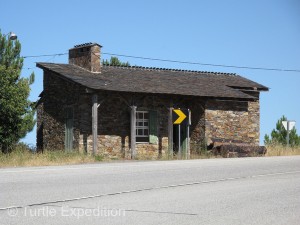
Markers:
point(255, 33)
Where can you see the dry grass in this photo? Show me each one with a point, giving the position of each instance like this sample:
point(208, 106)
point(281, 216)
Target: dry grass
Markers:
point(23, 157)
point(280, 150)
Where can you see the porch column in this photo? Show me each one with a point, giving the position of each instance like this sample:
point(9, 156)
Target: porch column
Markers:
point(95, 122)
point(170, 132)
point(133, 131)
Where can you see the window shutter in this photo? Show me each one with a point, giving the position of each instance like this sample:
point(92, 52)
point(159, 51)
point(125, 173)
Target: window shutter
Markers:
point(153, 139)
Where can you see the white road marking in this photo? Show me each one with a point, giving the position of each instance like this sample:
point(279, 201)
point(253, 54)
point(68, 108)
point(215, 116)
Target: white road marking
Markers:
point(152, 188)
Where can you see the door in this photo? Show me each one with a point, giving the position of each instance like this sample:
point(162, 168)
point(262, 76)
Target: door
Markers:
point(182, 129)
point(69, 120)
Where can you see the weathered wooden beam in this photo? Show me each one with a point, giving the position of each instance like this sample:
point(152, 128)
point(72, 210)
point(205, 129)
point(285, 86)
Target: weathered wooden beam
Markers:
point(133, 131)
point(170, 133)
point(95, 122)
point(188, 155)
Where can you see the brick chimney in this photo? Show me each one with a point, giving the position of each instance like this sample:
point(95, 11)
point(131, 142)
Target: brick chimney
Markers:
point(86, 56)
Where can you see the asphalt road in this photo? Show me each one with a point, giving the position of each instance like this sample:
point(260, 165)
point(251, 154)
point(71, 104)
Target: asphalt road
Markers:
point(215, 191)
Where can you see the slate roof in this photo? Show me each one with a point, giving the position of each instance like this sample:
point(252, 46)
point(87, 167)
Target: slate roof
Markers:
point(157, 80)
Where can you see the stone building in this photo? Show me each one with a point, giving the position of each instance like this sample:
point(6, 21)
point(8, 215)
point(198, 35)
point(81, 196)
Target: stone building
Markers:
point(127, 111)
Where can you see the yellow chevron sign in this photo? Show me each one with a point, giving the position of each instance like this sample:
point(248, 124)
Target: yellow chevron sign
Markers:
point(181, 116)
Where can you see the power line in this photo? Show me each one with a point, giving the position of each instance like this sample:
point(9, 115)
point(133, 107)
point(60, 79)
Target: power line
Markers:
point(38, 56)
point(28, 68)
point(205, 64)
point(181, 62)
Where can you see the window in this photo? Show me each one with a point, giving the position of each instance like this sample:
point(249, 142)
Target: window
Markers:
point(142, 126)
point(146, 127)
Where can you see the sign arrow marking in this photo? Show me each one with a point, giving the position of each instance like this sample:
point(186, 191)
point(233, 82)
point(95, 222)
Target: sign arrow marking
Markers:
point(181, 116)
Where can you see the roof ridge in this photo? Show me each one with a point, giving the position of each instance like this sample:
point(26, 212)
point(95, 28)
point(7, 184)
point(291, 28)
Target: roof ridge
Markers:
point(170, 69)
point(154, 69)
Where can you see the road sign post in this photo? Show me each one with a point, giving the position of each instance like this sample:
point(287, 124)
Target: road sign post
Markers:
point(288, 125)
point(181, 118)
point(188, 135)
point(179, 144)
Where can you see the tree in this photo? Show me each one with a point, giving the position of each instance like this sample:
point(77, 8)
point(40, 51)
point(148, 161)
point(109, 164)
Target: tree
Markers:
point(279, 134)
point(16, 111)
point(114, 61)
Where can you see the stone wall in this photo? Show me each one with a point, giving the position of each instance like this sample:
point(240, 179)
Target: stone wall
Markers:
point(197, 128)
point(232, 121)
point(114, 125)
point(40, 126)
point(58, 94)
point(87, 57)
point(158, 103)
point(113, 119)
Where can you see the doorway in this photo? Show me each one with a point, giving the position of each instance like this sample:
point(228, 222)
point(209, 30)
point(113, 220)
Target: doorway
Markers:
point(180, 138)
point(69, 120)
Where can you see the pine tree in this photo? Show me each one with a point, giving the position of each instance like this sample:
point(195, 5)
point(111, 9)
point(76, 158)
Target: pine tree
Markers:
point(278, 135)
point(114, 61)
point(16, 111)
